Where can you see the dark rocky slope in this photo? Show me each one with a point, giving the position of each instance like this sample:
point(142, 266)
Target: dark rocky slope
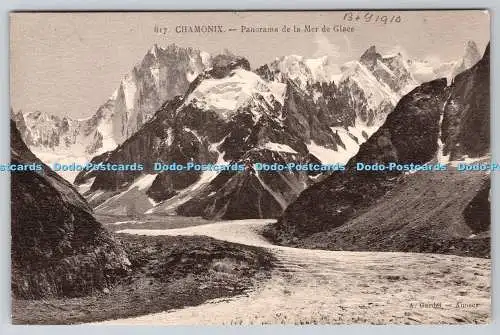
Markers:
point(58, 248)
point(425, 212)
point(466, 121)
point(330, 203)
point(477, 214)
point(409, 135)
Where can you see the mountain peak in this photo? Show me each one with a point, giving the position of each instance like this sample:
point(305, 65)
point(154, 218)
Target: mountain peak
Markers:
point(370, 56)
point(154, 50)
point(371, 51)
point(18, 114)
point(163, 73)
point(471, 54)
point(471, 45)
point(40, 115)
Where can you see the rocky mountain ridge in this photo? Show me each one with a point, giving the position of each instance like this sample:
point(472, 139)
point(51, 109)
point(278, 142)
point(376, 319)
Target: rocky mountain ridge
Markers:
point(162, 74)
point(231, 115)
point(432, 123)
point(376, 82)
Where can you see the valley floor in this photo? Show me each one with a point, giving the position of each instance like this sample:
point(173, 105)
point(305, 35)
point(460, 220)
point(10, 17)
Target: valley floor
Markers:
point(337, 287)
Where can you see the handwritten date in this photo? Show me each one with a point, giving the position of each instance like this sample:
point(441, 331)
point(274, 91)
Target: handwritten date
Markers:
point(370, 17)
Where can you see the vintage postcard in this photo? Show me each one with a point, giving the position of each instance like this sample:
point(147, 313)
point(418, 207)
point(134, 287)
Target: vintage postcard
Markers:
point(250, 168)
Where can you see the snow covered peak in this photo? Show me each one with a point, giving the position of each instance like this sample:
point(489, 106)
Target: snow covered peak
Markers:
point(293, 67)
point(227, 95)
point(376, 91)
point(371, 56)
point(206, 59)
point(386, 78)
point(302, 71)
point(433, 68)
point(162, 74)
point(324, 69)
point(391, 70)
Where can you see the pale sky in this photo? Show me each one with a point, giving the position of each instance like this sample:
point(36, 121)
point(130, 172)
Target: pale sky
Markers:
point(70, 63)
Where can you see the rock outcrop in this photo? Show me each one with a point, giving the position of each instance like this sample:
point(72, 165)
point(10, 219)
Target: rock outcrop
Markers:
point(58, 247)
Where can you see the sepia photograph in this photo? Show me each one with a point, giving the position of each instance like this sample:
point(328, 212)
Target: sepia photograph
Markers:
point(250, 167)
